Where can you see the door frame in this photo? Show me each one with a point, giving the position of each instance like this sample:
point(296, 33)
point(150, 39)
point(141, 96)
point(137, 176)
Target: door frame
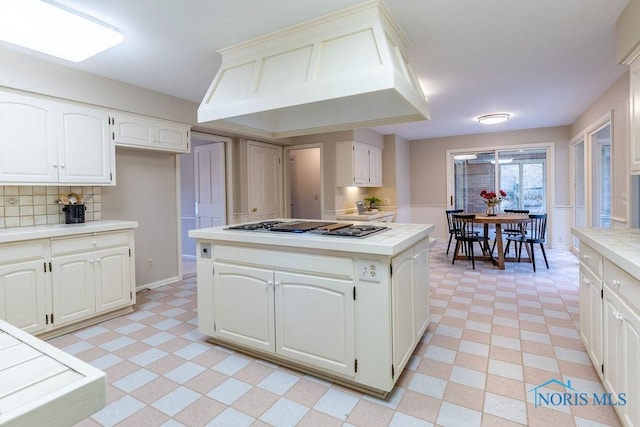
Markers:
point(229, 185)
point(287, 179)
point(550, 173)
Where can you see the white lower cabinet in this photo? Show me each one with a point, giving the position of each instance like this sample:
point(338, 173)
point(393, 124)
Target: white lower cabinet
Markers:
point(314, 321)
point(591, 315)
point(22, 293)
point(73, 287)
point(47, 284)
point(354, 318)
point(610, 329)
point(622, 357)
point(269, 311)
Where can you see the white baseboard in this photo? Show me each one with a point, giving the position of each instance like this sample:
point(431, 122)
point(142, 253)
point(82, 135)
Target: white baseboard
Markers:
point(157, 284)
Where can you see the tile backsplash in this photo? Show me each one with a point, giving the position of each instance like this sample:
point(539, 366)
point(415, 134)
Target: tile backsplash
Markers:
point(22, 206)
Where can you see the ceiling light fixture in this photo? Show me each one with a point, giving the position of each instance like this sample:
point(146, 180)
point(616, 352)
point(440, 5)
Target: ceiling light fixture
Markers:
point(492, 119)
point(56, 30)
point(465, 157)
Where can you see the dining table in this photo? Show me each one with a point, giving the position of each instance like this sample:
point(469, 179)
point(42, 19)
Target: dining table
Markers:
point(497, 220)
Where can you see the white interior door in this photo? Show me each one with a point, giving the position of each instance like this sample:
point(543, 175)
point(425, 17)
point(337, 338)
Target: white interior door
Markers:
point(210, 185)
point(265, 180)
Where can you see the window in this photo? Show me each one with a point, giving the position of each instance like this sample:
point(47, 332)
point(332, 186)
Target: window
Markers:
point(521, 172)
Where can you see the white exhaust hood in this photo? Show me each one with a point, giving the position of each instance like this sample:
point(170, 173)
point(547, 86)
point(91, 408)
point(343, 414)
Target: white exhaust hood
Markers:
point(342, 71)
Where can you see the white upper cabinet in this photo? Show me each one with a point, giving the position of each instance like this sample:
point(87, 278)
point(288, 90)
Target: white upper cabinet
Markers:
point(85, 153)
point(49, 142)
point(634, 130)
point(358, 164)
point(28, 140)
point(153, 134)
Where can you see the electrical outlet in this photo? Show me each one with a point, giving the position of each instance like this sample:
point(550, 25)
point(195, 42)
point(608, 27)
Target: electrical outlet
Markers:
point(369, 270)
point(150, 263)
point(386, 202)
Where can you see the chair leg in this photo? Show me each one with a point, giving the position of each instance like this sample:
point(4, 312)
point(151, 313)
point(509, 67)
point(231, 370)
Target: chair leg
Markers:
point(506, 249)
point(450, 237)
point(533, 257)
point(544, 255)
point(473, 258)
point(519, 251)
point(455, 251)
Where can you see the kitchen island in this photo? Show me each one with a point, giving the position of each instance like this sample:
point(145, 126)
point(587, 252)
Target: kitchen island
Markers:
point(348, 309)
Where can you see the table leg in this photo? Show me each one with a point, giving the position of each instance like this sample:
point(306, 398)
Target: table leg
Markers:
point(499, 246)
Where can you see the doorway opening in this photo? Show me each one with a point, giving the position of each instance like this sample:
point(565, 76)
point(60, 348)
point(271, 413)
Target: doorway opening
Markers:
point(203, 184)
point(304, 182)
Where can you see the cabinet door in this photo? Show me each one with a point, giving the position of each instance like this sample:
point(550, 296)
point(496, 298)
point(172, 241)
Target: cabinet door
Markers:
point(631, 366)
point(113, 279)
point(591, 316)
point(622, 356)
point(314, 321)
point(375, 166)
point(73, 285)
point(22, 295)
point(634, 128)
point(360, 163)
point(403, 305)
point(243, 305)
point(421, 284)
point(172, 137)
point(28, 145)
point(85, 151)
point(132, 130)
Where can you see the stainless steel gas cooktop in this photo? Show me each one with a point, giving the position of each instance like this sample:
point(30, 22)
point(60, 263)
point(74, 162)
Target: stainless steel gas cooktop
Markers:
point(341, 229)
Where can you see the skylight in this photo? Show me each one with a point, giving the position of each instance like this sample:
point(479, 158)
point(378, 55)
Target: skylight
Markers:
point(56, 30)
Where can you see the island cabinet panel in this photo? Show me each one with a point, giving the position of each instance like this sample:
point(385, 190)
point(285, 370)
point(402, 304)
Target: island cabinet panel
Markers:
point(314, 321)
point(410, 299)
point(244, 305)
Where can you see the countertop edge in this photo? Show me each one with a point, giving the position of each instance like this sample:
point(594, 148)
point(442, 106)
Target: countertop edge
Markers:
point(367, 245)
point(19, 234)
point(624, 256)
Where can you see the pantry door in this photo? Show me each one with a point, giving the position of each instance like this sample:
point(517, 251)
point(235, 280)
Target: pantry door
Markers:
point(264, 170)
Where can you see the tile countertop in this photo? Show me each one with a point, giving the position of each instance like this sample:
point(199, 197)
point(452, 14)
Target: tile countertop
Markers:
point(389, 242)
point(366, 216)
point(42, 385)
point(17, 234)
point(620, 245)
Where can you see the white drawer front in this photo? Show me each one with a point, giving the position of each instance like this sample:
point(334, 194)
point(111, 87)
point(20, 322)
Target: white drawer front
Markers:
point(622, 283)
point(591, 259)
point(88, 242)
point(10, 252)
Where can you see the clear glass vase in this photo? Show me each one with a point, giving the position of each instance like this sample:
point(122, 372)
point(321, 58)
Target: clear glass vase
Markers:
point(492, 209)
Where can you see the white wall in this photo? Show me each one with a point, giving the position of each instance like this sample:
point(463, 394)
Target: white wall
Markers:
point(146, 192)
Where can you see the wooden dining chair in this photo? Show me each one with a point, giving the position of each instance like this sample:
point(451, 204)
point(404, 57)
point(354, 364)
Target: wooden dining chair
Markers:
point(536, 231)
point(512, 229)
point(466, 236)
point(452, 230)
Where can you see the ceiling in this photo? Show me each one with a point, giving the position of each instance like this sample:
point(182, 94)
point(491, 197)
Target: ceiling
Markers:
point(543, 61)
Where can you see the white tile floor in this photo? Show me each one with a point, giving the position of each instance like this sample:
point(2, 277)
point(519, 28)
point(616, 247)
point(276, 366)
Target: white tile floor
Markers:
point(494, 335)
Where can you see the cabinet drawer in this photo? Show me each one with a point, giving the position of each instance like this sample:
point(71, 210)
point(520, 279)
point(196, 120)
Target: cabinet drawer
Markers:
point(21, 251)
point(622, 283)
point(591, 258)
point(87, 242)
point(324, 265)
